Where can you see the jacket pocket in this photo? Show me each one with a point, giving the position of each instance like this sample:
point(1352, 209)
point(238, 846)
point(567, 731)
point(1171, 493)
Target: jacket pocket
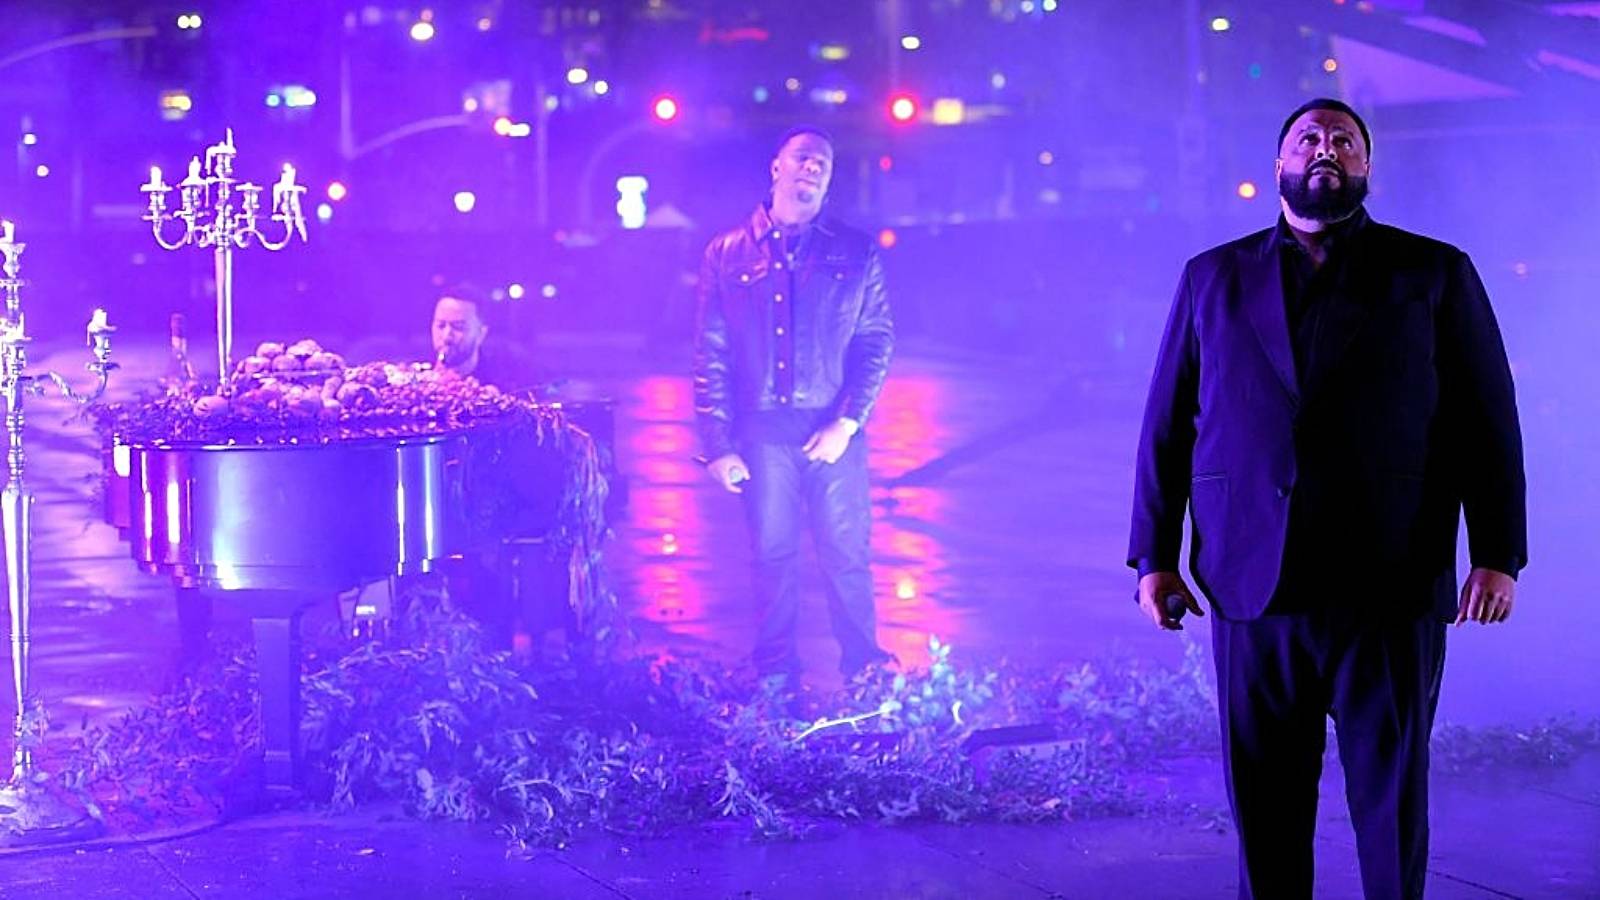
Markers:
point(1208, 516)
point(746, 274)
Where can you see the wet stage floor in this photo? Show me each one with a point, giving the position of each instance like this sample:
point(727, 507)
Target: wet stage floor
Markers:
point(1001, 492)
point(1000, 501)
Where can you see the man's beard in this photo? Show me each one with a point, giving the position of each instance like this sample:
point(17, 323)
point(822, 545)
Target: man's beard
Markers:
point(1322, 204)
point(805, 194)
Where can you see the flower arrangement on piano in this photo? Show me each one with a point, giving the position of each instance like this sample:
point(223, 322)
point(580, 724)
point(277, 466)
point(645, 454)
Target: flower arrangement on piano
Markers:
point(300, 392)
point(529, 470)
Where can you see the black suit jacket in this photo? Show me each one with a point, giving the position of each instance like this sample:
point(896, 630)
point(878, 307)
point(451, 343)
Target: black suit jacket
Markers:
point(1345, 483)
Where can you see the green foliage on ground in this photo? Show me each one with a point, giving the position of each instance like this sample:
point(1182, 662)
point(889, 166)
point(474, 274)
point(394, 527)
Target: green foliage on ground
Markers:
point(427, 718)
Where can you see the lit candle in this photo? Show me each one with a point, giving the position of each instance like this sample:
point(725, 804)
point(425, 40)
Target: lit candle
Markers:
point(285, 185)
point(194, 179)
point(155, 181)
point(7, 232)
point(98, 326)
point(223, 149)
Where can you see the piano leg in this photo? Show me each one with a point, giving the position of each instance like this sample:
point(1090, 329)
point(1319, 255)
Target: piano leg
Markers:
point(275, 621)
point(194, 625)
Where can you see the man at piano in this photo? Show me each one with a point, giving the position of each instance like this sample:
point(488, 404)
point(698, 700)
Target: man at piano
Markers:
point(461, 344)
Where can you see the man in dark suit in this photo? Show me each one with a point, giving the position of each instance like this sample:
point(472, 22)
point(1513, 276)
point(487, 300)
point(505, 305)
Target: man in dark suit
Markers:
point(1330, 394)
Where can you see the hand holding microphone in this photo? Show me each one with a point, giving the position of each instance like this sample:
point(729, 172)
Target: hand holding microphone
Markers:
point(1165, 599)
point(730, 471)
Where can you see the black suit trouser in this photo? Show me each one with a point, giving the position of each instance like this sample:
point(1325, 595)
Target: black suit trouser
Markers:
point(1279, 678)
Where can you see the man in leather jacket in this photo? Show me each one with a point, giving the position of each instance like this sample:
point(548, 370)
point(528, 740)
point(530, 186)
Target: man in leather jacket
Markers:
point(792, 346)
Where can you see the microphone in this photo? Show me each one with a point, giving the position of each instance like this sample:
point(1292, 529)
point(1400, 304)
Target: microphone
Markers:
point(1173, 606)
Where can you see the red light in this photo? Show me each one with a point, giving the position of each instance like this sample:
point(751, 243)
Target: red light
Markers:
point(665, 109)
point(902, 107)
point(885, 163)
point(887, 238)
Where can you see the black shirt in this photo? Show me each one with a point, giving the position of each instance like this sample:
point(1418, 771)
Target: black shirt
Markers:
point(1309, 288)
point(505, 366)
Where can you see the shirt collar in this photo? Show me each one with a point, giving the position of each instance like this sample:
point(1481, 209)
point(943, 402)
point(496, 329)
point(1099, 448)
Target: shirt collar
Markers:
point(764, 229)
point(1337, 233)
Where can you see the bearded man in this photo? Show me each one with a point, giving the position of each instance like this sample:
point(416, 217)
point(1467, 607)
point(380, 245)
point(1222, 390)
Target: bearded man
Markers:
point(1330, 394)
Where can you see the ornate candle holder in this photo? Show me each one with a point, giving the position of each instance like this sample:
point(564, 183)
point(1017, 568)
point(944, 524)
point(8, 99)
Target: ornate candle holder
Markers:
point(220, 213)
point(31, 809)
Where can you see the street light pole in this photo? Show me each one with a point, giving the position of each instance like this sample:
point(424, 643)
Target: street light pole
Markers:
point(541, 163)
point(73, 40)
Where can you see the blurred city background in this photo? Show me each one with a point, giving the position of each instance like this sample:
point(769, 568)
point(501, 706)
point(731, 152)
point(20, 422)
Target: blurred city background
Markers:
point(1036, 172)
point(1036, 169)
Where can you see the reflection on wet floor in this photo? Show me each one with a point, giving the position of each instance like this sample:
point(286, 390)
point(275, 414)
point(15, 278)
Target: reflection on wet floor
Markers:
point(949, 552)
point(1000, 501)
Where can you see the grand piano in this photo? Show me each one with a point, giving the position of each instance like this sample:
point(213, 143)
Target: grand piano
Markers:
point(277, 525)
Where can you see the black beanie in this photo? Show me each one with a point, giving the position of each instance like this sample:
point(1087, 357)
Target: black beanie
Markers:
point(1325, 103)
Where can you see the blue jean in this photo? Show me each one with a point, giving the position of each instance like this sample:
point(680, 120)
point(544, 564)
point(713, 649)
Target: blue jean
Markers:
point(786, 494)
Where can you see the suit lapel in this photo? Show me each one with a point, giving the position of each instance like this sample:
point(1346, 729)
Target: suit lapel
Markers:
point(1261, 285)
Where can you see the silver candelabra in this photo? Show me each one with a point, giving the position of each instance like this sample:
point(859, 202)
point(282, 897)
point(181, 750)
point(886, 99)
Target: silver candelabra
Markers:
point(220, 213)
point(31, 810)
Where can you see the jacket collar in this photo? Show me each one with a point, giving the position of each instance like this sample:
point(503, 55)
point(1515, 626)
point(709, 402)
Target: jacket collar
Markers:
point(762, 226)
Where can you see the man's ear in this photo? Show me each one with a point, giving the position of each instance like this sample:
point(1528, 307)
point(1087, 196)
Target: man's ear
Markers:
point(774, 170)
point(1277, 168)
